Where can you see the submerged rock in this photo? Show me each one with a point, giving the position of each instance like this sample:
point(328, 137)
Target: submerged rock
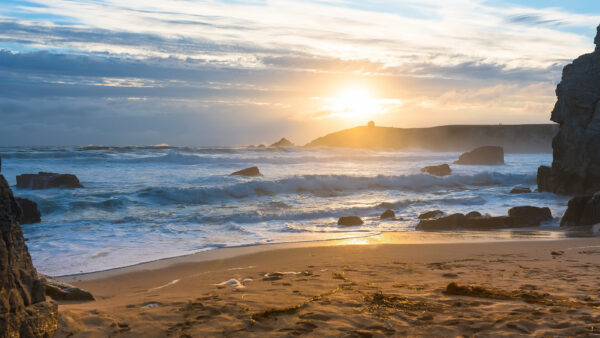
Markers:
point(350, 221)
point(438, 170)
point(575, 167)
point(388, 214)
point(486, 155)
point(528, 215)
point(43, 180)
point(520, 190)
point(58, 290)
point(431, 214)
point(582, 210)
point(252, 171)
point(29, 211)
point(24, 310)
point(282, 143)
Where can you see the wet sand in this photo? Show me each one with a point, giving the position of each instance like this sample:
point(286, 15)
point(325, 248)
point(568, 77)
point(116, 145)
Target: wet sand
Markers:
point(392, 284)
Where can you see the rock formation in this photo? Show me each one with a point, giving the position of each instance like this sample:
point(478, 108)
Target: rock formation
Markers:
point(29, 211)
point(349, 221)
point(438, 170)
point(486, 155)
point(431, 214)
point(24, 311)
point(43, 180)
point(252, 171)
point(582, 210)
point(58, 290)
point(282, 143)
point(576, 148)
point(520, 190)
point(388, 214)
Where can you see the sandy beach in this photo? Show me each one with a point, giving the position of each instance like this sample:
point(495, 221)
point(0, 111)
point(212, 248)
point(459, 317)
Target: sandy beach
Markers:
point(391, 284)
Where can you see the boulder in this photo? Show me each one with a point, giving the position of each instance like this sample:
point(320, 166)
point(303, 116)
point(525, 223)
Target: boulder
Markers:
point(431, 214)
point(282, 143)
point(529, 216)
point(43, 180)
point(388, 214)
point(582, 210)
point(486, 155)
point(473, 214)
point(575, 166)
point(350, 221)
point(252, 171)
point(450, 222)
point(29, 211)
point(438, 170)
point(24, 310)
point(58, 290)
point(520, 190)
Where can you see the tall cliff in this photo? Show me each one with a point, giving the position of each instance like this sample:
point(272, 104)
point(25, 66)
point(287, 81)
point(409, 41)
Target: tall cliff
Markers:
point(24, 311)
point(576, 148)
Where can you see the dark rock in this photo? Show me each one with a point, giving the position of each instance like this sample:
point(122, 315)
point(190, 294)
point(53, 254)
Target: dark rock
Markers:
point(388, 214)
point(44, 180)
point(29, 211)
point(487, 155)
point(431, 214)
point(0, 164)
point(24, 311)
point(260, 146)
point(474, 214)
point(454, 221)
point(349, 220)
point(58, 290)
point(438, 170)
point(582, 210)
point(576, 147)
point(252, 171)
point(529, 216)
point(520, 190)
point(283, 143)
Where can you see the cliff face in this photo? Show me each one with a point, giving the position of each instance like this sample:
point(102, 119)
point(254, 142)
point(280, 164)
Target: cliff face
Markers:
point(24, 311)
point(576, 148)
point(533, 138)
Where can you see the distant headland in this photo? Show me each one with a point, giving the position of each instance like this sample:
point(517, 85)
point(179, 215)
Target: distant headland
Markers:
point(524, 138)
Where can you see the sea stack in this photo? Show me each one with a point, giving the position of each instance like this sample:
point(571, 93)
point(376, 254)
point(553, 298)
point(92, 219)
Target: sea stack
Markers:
point(576, 148)
point(24, 311)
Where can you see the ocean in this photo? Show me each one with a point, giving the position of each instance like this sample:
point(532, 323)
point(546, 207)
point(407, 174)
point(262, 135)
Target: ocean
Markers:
point(146, 203)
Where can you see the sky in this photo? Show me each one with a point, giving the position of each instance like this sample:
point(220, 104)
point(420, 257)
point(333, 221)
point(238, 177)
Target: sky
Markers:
point(240, 72)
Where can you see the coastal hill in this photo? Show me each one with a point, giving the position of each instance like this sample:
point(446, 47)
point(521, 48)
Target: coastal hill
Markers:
point(524, 138)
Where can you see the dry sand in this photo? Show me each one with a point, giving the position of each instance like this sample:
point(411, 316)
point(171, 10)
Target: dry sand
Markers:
point(362, 287)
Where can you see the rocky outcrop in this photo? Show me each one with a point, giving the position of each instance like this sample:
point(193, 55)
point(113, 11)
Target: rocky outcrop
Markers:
point(43, 180)
point(438, 170)
point(29, 211)
point(350, 221)
point(388, 214)
point(582, 210)
point(520, 190)
point(252, 171)
point(24, 311)
point(431, 214)
point(283, 143)
point(58, 290)
point(518, 217)
point(486, 155)
point(575, 167)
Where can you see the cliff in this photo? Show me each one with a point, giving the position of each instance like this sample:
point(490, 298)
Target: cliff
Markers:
point(576, 147)
point(24, 311)
point(531, 138)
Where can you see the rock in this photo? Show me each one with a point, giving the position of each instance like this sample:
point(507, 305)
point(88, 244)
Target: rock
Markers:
point(386, 205)
point(43, 180)
point(260, 146)
point(58, 290)
point(282, 143)
point(520, 190)
point(487, 155)
point(431, 214)
point(252, 171)
point(29, 211)
point(24, 310)
point(582, 210)
point(0, 164)
point(575, 167)
point(350, 221)
point(454, 221)
point(474, 214)
point(438, 170)
point(529, 216)
point(388, 214)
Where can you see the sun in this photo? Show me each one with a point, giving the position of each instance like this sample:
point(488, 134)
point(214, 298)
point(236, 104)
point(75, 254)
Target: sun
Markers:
point(353, 103)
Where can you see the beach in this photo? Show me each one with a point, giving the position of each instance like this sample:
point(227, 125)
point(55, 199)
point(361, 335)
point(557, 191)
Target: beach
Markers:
point(390, 284)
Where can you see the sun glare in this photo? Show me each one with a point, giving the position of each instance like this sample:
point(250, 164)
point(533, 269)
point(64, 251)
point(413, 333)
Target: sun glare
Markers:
point(353, 103)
